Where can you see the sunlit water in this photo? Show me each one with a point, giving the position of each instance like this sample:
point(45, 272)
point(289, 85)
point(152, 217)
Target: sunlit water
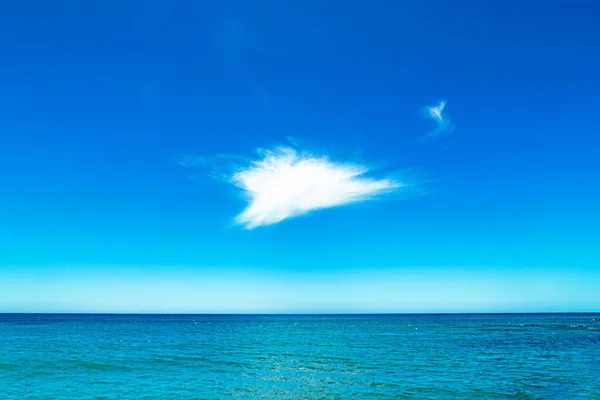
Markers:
point(531, 356)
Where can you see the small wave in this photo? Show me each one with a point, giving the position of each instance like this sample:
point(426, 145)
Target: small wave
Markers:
point(96, 366)
point(7, 367)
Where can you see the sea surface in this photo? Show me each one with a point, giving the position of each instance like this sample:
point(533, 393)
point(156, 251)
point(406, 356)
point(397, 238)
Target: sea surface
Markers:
point(490, 356)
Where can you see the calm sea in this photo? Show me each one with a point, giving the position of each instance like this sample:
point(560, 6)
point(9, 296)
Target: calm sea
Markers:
point(525, 356)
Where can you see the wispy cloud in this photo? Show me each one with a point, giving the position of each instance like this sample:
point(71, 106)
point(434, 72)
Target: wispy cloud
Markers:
point(444, 124)
point(285, 182)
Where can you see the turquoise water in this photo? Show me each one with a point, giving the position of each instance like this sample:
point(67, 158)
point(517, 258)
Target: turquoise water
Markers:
point(528, 356)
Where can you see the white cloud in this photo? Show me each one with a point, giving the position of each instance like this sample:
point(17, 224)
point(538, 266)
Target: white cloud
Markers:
point(435, 112)
point(444, 124)
point(284, 183)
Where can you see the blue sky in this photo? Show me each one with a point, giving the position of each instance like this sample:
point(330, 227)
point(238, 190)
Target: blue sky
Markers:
point(102, 102)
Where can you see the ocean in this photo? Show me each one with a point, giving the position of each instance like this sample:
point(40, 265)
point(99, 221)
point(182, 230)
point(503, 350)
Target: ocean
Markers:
point(488, 356)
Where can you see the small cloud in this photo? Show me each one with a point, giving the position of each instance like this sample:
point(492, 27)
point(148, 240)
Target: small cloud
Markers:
point(435, 112)
point(444, 124)
point(284, 183)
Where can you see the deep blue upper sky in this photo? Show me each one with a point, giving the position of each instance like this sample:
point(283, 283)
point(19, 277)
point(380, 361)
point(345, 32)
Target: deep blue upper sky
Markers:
point(99, 101)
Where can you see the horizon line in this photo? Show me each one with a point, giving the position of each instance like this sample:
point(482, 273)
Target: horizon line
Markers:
point(303, 314)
